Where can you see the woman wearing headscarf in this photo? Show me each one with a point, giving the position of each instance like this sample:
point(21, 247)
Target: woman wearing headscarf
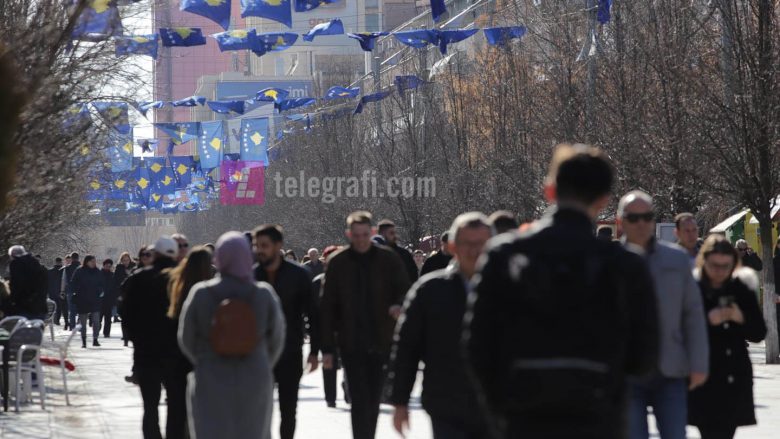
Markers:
point(231, 396)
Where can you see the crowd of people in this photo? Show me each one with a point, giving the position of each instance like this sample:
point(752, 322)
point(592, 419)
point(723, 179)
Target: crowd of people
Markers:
point(545, 329)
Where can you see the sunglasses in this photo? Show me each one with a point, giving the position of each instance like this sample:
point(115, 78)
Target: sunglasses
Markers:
point(636, 217)
point(146, 254)
point(184, 245)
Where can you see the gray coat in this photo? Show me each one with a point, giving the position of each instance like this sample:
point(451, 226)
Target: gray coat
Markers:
point(684, 347)
point(229, 397)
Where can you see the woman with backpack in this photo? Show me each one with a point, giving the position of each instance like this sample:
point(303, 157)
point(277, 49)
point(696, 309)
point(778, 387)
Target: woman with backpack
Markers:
point(232, 330)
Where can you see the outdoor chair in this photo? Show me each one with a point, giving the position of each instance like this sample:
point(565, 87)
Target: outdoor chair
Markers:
point(24, 348)
point(12, 322)
point(63, 351)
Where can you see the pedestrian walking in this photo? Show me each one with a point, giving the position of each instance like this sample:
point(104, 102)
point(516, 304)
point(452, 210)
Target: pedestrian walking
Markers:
point(776, 264)
point(145, 316)
point(88, 290)
point(748, 258)
point(683, 357)
point(429, 330)
point(27, 284)
point(362, 295)
point(559, 318)
point(110, 293)
point(329, 376)
point(231, 396)
point(686, 230)
point(66, 291)
point(314, 264)
point(122, 270)
point(439, 259)
point(419, 259)
point(183, 244)
point(292, 283)
point(53, 279)
point(725, 401)
point(387, 231)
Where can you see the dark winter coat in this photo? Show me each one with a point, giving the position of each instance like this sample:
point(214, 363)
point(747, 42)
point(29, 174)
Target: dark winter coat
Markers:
point(88, 289)
point(110, 291)
point(408, 260)
point(726, 399)
point(28, 285)
point(358, 292)
point(752, 260)
point(316, 269)
point(437, 261)
point(55, 280)
point(429, 330)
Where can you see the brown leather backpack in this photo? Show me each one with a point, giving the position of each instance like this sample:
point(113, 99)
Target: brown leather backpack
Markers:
point(234, 328)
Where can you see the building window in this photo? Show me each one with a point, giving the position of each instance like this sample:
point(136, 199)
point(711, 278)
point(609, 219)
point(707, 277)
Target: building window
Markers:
point(372, 23)
point(372, 3)
point(279, 66)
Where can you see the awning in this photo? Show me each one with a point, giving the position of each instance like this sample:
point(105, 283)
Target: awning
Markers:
point(730, 221)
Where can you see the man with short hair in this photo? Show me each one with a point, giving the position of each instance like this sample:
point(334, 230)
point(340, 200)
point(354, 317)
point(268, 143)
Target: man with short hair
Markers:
point(748, 256)
point(54, 277)
point(686, 230)
point(184, 246)
point(27, 284)
point(292, 283)
point(314, 264)
point(109, 296)
point(503, 221)
point(684, 354)
point(438, 260)
point(363, 290)
point(66, 291)
point(429, 330)
point(386, 229)
point(155, 345)
point(559, 318)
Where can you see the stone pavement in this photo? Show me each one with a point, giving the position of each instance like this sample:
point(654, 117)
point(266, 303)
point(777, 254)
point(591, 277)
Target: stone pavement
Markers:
point(104, 406)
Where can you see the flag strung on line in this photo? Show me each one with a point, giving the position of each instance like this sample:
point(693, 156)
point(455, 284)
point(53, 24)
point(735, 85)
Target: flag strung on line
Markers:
point(242, 183)
point(147, 145)
point(333, 27)
point(227, 107)
point(453, 36)
point(182, 37)
point(367, 40)
point(211, 144)
point(289, 104)
point(375, 97)
point(308, 5)
point(418, 38)
point(254, 140)
point(603, 14)
point(272, 94)
point(272, 42)
point(342, 92)
point(120, 152)
point(137, 45)
point(182, 170)
point(276, 10)
point(180, 132)
point(407, 82)
point(237, 39)
point(144, 106)
point(98, 21)
point(438, 9)
point(498, 36)
point(191, 101)
point(217, 11)
point(114, 114)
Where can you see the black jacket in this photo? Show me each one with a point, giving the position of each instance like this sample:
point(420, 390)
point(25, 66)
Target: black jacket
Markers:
point(557, 321)
point(293, 286)
point(726, 399)
point(752, 260)
point(109, 292)
point(28, 285)
point(437, 261)
point(408, 260)
point(88, 289)
point(430, 331)
point(145, 307)
point(316, 269)
point(67, 272)
point(54, 282)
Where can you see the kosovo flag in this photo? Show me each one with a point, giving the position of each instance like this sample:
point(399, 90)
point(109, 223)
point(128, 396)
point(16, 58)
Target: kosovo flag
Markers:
point(163, 180)
point(238, 39)
point(182, 37)
point(289, 104)
point(272, 42)
point(96, 191)
point(182, 170)
point(181, 132)
point(145, 106)
point(272, 95)
point(342, 92)
point(453, 36)
point(215, 10)
point(603, 12)
point(155, 200)
point(333, 27)
point(437, 10)
point(367, 40)
point(407, 82)
point(190, 101)
point(77, 115)
point(417, 38)
point(143, 183)
point(308, 5)
point(212, 144)
point(254, 140)
point(121, 153)
point(498, 36)
point(98, 20)
point(120, 186)
point(114, 114)
point(376, 97)
point(227, 107)
point(139, 45)
point(276, 10)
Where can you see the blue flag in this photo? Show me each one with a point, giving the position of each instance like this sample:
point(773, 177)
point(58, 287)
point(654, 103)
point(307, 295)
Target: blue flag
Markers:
point(96, 190)
point(162, 178)
point(238, 39)
point(145, 106)
point(254, 140)
point(148, 144)
point(437, 10)
point(417, 38)
point(180, 132)
point(155, 200)
point(77, 115)
point(289, 104)
point(342, 92)
point(333, 27)
point(272, 95)
point(114, 114)
point(138, 45)
point(120, 152)
point(407, 82)
point(98, 20)
point(453, 36)
point(376, 97)
point(121, 186)
point(191, 101)
point(227, 107)
point(603, 13)
point(182, 37)
point(212, 144)
point(497, 36)
point(276, 10)
point(143, 183)
point(308, 5)
point(215, 10)
point(272, 42)
point(367, 40)
point(182, 170)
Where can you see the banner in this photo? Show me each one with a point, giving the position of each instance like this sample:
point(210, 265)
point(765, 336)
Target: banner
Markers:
point(242, 183)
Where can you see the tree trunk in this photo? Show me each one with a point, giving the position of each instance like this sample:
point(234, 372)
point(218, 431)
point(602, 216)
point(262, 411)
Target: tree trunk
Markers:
point(772, 347)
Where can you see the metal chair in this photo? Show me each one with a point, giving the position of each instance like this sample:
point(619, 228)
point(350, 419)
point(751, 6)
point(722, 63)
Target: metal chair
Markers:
point(24, 350)
point(51, 309)
point(63, 350)
point(12, 322)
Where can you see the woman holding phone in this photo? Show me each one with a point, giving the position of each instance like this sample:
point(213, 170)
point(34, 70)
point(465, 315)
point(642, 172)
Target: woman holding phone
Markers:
point(725, 401)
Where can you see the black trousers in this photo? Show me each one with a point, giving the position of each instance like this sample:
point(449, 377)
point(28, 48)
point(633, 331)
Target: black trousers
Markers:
point(717, 432)
point(329, 382)
point(152, 375)
point(106, 313)
point(365, 374)
point(287, 374)
point(64, 311)
point(55, 319)
point(444, 428)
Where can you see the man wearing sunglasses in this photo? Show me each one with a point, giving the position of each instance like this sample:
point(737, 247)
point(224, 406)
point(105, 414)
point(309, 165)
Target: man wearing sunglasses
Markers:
point(683, 348)
point(748, 256)
point(184, 246)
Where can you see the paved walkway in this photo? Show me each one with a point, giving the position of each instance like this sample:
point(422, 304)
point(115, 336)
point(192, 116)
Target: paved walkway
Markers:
point(104, 406)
